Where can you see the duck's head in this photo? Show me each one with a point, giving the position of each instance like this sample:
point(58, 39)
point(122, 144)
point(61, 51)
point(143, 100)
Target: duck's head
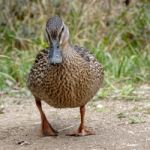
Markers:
point(57, 35)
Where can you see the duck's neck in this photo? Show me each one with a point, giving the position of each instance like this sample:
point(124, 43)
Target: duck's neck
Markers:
point(65, 45)
point(67, 51)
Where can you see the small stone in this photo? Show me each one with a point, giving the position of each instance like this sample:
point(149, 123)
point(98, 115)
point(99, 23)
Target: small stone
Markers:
point(23, 143)
point(99, 106)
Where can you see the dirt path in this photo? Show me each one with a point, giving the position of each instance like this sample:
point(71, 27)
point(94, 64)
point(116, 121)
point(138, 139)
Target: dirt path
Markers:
point(119, 125)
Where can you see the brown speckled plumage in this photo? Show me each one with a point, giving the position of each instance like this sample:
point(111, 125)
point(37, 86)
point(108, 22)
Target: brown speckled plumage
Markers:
point(72, 83)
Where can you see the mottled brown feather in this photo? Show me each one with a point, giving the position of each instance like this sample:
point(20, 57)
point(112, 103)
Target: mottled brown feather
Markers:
point(70, 84)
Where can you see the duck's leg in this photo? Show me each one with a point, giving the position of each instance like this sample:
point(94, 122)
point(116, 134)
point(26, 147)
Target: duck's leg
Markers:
point(46, 127)
point(82, 130)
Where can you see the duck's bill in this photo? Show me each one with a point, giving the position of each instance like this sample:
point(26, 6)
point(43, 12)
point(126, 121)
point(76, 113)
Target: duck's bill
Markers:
point(55, 55)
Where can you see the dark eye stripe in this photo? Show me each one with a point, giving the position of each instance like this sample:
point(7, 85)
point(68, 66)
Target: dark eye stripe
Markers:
point(61, 32)
point(48, 35)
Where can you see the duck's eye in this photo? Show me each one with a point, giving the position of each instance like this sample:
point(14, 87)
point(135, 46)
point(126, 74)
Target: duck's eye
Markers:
point(62, 29)
point(61, 32)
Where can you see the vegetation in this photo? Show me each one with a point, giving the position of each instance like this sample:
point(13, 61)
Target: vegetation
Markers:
point(117, 34)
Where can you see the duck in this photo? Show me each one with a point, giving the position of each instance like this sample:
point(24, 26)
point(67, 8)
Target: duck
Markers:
point(64, 75)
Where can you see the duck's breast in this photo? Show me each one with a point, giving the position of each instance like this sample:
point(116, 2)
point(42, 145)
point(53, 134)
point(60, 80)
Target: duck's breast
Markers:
point(70, 84)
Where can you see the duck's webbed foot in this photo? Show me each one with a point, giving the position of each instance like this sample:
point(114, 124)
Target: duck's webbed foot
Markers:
point(46, 127)
point(82, 130)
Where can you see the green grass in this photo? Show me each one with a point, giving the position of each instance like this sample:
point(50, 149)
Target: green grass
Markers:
point(120, 40)
point(14, 67)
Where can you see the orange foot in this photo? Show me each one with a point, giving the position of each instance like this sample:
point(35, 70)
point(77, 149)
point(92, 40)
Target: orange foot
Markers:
point(47, 130)
point(81, 132)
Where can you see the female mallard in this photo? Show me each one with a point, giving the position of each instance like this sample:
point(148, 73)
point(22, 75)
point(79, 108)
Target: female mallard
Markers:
point(64, 76)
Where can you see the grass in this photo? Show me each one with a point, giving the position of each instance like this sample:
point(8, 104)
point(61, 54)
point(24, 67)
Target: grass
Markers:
point(131, 119)
point(14, 67)
point(118, 36)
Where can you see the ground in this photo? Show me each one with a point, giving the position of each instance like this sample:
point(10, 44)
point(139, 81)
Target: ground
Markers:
point(119, 125)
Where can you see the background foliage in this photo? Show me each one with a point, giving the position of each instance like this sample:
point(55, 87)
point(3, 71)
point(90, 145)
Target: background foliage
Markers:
point(116, 32)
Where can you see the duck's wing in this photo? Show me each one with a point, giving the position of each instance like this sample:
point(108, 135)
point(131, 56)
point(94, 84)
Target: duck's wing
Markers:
point(84, 53)
point(98, 71)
